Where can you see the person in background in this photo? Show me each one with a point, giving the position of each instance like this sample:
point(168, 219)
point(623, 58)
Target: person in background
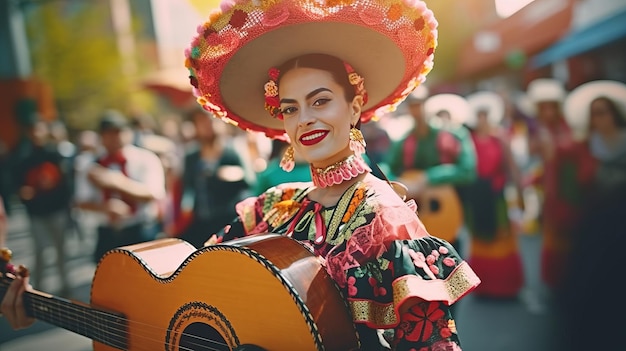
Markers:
point(165, 149)
point(123, 185)
point(44, 187)
point(494, 252)
point(597, 112)
point(568, 169)
point(444, 156)
point(141, 124)
point(213, 180)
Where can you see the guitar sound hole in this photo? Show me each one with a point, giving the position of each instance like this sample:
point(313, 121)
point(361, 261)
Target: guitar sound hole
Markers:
point(199, 336)
point(435, 205)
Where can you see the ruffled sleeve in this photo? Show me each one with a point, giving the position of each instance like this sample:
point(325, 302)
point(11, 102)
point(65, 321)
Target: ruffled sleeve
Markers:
point(424, 269)
point(429, 269)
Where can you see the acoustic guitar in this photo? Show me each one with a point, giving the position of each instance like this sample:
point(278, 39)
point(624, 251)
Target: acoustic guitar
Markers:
point(439, 206)
point(266, 290)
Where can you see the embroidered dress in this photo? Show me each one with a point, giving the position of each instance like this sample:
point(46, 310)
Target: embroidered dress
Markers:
point(394, 275)
point(566, 180)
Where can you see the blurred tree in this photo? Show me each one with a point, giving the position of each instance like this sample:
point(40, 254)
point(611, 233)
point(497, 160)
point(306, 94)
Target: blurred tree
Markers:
point(73, 48)
point(458, 21)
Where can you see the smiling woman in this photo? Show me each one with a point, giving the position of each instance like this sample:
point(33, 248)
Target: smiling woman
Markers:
point(321, 81)
point(309, 72)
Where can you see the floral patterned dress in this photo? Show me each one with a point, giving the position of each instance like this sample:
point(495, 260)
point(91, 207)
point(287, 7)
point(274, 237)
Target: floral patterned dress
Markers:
point(398, 280)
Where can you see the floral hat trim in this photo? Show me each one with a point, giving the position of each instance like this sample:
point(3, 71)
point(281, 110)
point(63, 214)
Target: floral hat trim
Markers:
point(407, 24)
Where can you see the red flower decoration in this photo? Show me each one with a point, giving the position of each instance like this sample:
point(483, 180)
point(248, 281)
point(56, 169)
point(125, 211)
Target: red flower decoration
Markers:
point(419, 24)
point(421, 318)
point(445, 333)
point(238, 19)
point(273, 73)
point(352, 290)
point(378, 290)
point(272, 101)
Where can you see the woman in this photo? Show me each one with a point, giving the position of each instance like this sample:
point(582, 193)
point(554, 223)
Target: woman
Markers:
point(494, 252)
point(597, 112)
point(393, 274)
point(567, 171)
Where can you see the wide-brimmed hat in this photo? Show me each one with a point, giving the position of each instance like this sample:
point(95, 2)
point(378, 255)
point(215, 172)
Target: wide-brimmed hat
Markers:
point(455, 104)
point(488, 101)
point(578, 103)
point(390, 43)
point(546, 90)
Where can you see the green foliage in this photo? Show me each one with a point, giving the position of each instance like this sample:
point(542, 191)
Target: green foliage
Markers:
point(74, 49)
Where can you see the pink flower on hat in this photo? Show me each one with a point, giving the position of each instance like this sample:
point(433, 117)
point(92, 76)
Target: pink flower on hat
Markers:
point(275, 16)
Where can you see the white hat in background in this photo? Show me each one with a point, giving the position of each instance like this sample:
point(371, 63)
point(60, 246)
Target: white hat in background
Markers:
point(546, 90)
point(456, 105)
point(488, 101)
point(420, 94)
point(578, 103)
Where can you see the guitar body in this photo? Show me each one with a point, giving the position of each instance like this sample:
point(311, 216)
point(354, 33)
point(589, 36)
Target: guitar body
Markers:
point(439, 207)
point(267, 290)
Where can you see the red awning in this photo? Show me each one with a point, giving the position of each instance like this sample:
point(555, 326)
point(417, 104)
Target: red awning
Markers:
point(511, 40)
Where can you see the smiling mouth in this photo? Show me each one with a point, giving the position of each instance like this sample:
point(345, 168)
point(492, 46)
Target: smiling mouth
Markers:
point(313, 138)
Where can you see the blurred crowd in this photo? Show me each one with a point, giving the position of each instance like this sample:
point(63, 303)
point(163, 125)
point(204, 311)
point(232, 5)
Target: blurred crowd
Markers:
point(546, 162)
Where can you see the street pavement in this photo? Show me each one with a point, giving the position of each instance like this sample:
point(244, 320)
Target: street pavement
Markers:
point(524, 324)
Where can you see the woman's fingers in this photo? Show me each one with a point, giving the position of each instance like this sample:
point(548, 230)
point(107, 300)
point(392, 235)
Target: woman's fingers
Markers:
point(13, 304)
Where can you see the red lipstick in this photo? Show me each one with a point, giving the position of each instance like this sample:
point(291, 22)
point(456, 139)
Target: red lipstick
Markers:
point(313, 137)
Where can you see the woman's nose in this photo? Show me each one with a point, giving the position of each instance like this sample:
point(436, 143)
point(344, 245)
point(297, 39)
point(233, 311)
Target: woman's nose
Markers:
point(306, 118)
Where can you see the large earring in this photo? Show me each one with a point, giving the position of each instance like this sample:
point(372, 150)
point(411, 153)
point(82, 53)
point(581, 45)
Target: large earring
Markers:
point(287, 163)
point(357, 141)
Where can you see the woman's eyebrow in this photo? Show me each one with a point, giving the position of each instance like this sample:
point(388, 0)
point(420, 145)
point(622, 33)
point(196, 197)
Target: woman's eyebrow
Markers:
point(308, 96)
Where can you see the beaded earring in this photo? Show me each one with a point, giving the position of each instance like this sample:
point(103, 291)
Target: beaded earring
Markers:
point(287, 163)
point(357, 141)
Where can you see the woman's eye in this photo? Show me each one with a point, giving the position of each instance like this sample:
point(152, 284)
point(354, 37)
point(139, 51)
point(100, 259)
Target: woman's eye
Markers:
point(321, 101)
point(289, 110)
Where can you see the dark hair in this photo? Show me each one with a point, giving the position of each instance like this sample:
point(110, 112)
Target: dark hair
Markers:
point(618, 117)
point(328, 63)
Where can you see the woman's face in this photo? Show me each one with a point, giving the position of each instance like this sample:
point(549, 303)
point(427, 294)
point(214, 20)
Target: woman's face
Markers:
point(601, 118)
point(548, 112)
point(317, 116)
point(482, 120)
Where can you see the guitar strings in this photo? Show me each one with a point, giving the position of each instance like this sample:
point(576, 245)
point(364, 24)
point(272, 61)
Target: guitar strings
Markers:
point(117, 332)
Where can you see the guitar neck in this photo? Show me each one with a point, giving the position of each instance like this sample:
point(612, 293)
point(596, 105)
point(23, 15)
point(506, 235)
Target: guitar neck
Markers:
point(106, 327)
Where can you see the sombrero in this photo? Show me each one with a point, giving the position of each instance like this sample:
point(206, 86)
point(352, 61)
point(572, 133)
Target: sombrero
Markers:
point(578, 102)
point(488, 101)
point(388, 42)
point(456, 105)
point(545, 89)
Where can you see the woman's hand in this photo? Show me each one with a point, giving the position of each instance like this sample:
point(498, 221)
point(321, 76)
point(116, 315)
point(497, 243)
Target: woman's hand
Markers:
point(12, 306)
point(213, 240)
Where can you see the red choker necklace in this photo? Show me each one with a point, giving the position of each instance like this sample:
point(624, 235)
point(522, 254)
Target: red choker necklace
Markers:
point(339, 172)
